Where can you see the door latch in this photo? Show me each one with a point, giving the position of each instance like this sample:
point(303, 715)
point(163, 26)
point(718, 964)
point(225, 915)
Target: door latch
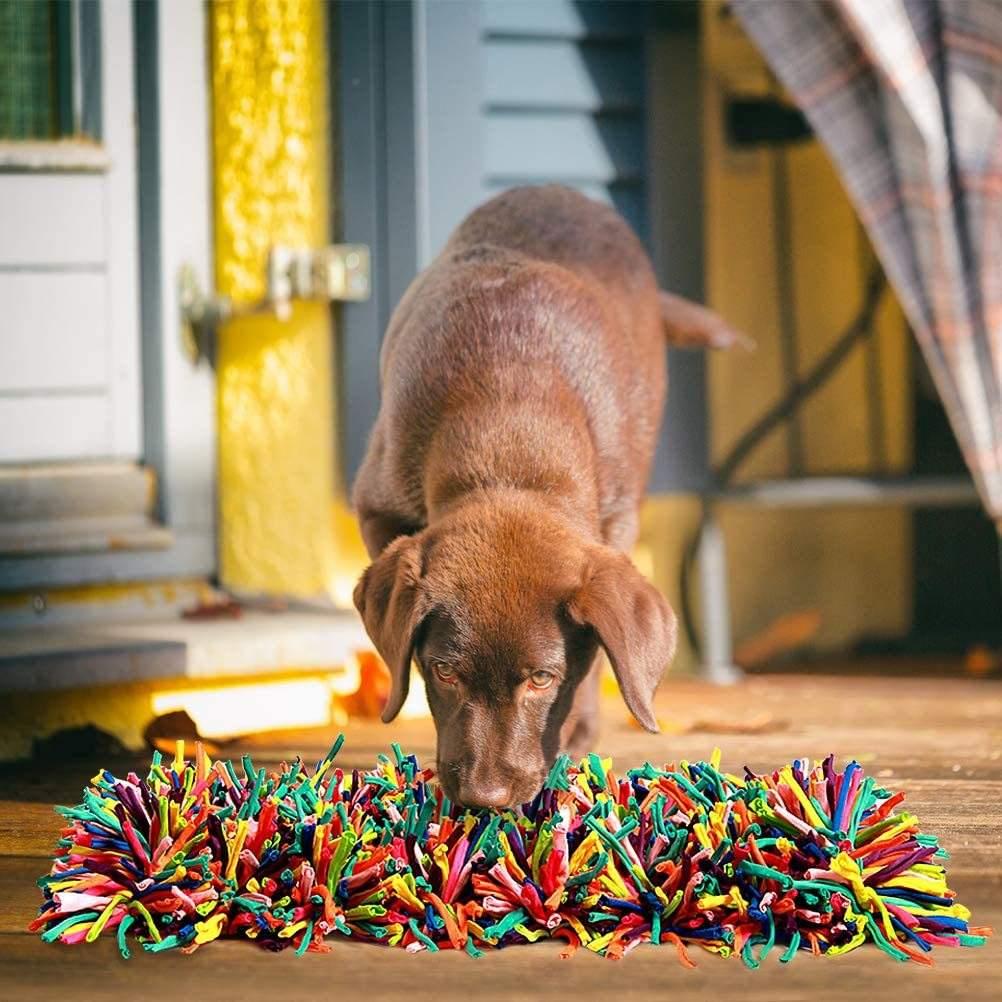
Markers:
point(339, 272)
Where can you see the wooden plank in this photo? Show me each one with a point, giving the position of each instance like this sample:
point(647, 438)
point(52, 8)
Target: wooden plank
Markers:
point(537, 147)
point(52, 220)
point(886, 721)
point(55, 427)
point(561, 19)
point(19, 894)
point(557, 73)
point(55, 333)
point(29, 830)
point(965, 816)
point(95, 972)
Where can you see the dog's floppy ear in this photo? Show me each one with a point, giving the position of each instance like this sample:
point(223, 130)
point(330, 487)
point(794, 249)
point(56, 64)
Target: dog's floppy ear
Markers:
point(390, 600)
point(634, 624)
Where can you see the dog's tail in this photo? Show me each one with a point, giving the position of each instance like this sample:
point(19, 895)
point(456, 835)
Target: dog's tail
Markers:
point(689, 325)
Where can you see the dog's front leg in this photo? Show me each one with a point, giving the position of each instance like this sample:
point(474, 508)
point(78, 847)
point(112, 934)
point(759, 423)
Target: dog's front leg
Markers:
point(380, 528)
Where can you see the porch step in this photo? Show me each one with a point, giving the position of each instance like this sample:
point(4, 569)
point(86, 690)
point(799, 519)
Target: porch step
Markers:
point(45, 658)
point(83, 535)
point(78, 508)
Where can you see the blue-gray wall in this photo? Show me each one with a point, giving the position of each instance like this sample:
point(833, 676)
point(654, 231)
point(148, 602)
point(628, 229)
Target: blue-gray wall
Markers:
point(442, 105)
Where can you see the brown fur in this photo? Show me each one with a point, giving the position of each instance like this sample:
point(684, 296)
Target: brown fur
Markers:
point(523, 379)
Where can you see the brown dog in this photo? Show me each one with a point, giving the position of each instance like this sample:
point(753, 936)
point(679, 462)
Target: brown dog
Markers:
point(523, 379)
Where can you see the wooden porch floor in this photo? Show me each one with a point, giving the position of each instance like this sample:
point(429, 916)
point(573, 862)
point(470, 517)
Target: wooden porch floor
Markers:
point(937, 738)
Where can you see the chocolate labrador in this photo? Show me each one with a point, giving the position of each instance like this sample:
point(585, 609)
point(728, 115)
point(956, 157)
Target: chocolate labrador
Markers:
point(523, 378)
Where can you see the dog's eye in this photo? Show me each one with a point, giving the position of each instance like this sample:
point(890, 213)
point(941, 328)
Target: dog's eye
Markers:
point(444, 673)
point(542, 679)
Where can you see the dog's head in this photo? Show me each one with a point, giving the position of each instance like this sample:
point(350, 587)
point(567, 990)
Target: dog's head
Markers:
point(504, 611)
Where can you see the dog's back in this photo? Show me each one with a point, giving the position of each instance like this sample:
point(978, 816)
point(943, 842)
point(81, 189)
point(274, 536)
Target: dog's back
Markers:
point(541, 311)
point(562, 226)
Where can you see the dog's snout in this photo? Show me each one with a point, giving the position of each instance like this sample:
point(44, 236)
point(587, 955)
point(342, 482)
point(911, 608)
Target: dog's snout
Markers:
point(474, 784)
point(495, 796)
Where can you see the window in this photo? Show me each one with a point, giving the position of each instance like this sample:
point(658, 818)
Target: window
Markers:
point(50, 74)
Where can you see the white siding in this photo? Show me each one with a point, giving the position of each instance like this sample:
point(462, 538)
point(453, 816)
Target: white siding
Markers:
point(55, 331)
point(52, 220)
point(56, 426)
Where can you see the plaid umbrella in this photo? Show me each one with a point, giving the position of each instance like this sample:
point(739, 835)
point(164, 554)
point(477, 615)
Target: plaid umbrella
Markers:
point(907, 97)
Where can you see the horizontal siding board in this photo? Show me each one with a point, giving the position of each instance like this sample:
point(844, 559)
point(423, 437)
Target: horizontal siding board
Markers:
point(57, 427)
point(53, 331)
point(52, 220)
point(561, 18)
point(533, 147)
point(556, 73)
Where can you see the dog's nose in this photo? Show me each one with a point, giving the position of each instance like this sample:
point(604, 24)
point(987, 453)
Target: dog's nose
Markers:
point(495, 796)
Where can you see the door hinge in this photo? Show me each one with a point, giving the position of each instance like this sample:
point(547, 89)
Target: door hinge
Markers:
point(339, 272)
